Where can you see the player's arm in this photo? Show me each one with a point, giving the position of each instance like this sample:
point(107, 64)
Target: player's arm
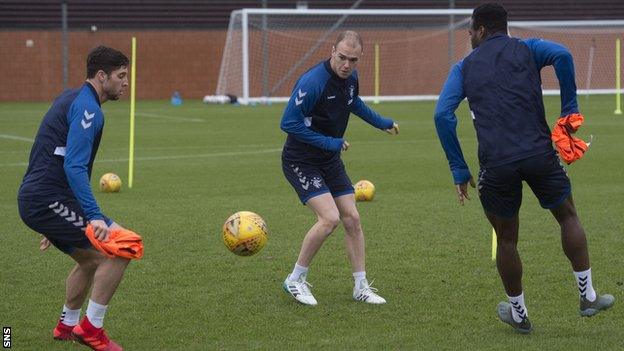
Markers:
point(548, 53)
point(446, 124)
point(360, 109)
point(84, 125)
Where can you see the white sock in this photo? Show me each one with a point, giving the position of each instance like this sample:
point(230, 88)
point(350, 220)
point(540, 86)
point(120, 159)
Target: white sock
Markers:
point(70, 317)
point(584, 283)
point(297, 272)
point(95, 313)
point(358, 277)
point(518, 308)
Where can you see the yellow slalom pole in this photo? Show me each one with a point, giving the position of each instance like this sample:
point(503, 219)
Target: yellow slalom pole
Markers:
point(618, 91)
point(376, 101)
point(493, 244)
point(132, 100)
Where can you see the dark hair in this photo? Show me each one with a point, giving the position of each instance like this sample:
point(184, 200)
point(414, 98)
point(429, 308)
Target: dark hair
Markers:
point(491, 16)
point(105, 59)
point(349, 35)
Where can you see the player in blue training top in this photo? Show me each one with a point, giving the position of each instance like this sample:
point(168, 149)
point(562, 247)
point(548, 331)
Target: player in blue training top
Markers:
point(55, 198)
point(315, 119)
point(501, 80)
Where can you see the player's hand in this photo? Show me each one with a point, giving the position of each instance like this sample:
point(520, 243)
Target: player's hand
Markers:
point(394, 130)
point(100, 229)
point(116, 225)
point(462, 190)
point(345, 145)
point(44, 243)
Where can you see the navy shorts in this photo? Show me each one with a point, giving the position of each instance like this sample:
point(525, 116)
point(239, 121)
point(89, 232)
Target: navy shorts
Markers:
point(313, 180)
point(500, 188)
point(59, 218)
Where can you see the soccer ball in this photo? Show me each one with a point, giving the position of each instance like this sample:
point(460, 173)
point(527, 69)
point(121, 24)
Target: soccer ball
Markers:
point(110, 183)
point(364, 191)
point(245, 233)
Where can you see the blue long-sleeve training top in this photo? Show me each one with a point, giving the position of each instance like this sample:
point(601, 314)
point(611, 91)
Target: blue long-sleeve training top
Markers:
point(61, 158)
point(501, 80)
point(317, 113)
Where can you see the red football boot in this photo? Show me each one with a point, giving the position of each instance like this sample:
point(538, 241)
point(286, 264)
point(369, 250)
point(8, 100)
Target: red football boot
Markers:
point(93, 337)
point(63, 332)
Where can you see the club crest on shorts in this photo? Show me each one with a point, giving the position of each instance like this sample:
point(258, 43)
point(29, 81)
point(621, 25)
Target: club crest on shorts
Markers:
point(317, 182)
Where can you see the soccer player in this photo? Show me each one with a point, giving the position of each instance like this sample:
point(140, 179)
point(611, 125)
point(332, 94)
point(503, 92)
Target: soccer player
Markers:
point(501, 80)
point(55, 198)
point(315, 119)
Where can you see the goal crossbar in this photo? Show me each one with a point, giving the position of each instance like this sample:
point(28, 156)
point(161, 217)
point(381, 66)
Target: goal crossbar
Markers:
point(246, 25)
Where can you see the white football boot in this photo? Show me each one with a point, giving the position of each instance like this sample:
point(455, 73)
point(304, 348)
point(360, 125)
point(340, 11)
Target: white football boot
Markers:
point(366, 293)
point(300, 290)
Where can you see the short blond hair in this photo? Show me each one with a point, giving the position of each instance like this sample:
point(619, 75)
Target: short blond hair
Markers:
point(349, 35)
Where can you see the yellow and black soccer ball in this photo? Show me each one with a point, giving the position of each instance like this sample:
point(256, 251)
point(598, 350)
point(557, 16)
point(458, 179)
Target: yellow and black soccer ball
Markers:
point(245, 233)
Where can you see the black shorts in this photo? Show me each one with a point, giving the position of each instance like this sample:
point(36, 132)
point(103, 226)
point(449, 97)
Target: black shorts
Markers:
point(312, 180)
point(500, 188)
point(59, 218)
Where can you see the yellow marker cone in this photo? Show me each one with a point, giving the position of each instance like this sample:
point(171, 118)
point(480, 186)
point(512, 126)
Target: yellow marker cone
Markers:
point(493, 244)
point(618, 90)
point(132, 107)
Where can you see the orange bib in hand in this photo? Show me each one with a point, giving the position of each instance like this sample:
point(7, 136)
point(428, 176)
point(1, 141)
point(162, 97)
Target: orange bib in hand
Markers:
point(121, 243)
point(570, 148)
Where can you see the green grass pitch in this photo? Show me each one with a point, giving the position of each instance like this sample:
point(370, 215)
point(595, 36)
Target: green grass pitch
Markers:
point(430, 257)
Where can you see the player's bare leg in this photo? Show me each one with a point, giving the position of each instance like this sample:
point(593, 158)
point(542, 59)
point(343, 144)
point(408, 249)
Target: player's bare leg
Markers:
point(108, 275)
point(574, 243)
point(355, 245)
point(507, 258)
point(509, 268)
point(79, 281)
point(77, 287)
point(106, 279)
point(354, 238)
point(103, 274)
point(327, 220)
point(573, 238)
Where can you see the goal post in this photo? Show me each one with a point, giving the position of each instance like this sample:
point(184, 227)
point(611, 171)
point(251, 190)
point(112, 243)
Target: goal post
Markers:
point(407, 53)
point(266, 50)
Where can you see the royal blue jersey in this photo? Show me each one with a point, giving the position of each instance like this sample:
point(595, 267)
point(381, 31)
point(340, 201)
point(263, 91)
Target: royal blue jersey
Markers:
point(61, 158)
point(501, 80)
point(317, 114)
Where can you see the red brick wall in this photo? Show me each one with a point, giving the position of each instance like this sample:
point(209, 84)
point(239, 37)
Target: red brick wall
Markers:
point(184, 60)
point(414, 62)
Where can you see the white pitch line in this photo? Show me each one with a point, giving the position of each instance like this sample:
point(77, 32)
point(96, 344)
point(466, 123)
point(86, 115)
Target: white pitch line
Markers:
point(15, 137)
point(182, 119)
point(177, 157)
point(172, 157)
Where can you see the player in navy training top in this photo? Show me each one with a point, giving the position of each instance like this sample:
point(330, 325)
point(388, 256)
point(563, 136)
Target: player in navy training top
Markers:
point(315, 119)
point(501, 80)
point(55, 198)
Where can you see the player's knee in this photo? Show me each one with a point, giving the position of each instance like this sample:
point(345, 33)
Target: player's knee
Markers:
point(351, 220)
point(507, 245)
point(329, 222)
point(122, 261)
point(88, 258)
point(90, 264)
point(565, 212)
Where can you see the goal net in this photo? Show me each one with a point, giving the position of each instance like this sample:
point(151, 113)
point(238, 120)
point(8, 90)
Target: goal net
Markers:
point(592, 44)
point(407, 53)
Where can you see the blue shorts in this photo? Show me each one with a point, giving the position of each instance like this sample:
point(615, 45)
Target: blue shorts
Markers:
point(500, 188)
point(313, 180)
point(58, 218)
